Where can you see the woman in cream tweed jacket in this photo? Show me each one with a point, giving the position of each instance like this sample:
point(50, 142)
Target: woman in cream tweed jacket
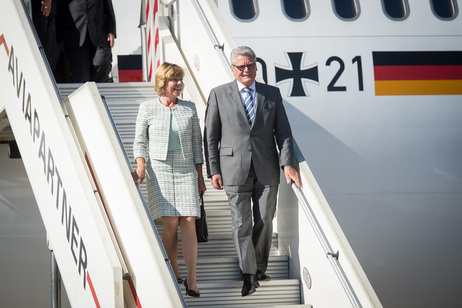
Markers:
point(168, 150)
point(153, 123)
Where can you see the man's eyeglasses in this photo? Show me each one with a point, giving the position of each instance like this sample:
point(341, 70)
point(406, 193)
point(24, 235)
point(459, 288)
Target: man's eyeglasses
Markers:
point(250, 66)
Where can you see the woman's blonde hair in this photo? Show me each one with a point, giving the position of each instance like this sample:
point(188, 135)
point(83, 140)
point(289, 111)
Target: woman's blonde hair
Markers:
point(164, 73)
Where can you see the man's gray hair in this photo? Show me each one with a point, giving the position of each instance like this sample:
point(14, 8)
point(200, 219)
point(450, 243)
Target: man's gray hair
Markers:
point(242, 51)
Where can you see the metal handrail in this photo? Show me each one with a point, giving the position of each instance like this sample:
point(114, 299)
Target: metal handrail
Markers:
point(331, 255)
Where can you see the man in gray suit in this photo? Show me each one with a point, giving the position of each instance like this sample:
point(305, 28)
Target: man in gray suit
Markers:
point(245, 125)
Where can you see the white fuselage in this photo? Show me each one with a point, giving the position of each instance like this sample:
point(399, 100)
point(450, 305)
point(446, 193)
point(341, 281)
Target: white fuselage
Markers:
point(389, 165)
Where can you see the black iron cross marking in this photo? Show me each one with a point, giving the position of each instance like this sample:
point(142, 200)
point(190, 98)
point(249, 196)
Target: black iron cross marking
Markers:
point(297, 73)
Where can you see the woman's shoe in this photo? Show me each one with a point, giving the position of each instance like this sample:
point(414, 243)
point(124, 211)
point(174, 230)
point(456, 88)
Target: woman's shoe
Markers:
point(191, 292)
point(179, 280)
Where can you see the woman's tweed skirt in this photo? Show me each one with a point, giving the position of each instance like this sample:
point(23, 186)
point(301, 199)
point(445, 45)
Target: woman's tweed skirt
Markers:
point(172, 186)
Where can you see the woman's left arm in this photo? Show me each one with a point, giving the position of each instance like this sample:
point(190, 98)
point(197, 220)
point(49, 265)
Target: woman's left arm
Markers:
point(200, 180)
point(197, 150)
point(196, 138)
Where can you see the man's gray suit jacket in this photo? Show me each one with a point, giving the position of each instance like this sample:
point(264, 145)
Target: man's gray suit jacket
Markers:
point(230, 144)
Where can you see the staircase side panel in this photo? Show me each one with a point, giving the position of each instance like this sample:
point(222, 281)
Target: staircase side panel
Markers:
point(82, 246)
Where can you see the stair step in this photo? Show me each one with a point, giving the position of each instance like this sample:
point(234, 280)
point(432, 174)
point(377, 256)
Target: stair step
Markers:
point(126, 92)
point(228, 294)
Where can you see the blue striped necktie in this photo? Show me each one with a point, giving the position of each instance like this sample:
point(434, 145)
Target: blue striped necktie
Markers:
point(249, 105)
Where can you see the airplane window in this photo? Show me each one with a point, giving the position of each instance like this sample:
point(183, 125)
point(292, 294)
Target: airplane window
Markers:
point(296, 9)
point(396, 9)
point(346, 9)
point(244, 9)
point(444, 9)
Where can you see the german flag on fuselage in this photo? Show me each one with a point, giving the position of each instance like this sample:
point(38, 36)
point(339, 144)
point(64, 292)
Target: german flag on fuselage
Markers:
point(417, 72)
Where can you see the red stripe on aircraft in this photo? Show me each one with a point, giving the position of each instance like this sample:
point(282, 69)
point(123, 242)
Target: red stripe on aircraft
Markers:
point(130, 75)
point(2, 41)
point(418, 72)
point(135, 294)
point(132, 286)
point(156, 42)
point(95, 298)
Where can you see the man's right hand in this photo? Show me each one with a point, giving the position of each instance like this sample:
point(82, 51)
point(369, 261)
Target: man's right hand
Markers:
point(110, 39)
point(216, 181)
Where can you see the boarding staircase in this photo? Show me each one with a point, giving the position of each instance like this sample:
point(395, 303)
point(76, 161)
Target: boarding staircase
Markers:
point(218, 273)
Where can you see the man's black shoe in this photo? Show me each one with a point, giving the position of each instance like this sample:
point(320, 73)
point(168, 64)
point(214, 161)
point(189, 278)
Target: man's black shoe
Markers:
point(250, 284)
point(262, 277)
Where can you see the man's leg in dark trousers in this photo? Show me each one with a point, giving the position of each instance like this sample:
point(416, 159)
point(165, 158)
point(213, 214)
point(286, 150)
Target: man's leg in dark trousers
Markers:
point(264, 207)
point(252, 237)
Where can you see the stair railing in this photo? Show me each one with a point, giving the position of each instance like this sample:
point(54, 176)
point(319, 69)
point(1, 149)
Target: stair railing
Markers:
point(330, 254)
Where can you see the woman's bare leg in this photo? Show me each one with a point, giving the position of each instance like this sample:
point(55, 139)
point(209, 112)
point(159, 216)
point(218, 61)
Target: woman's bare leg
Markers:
point(189, 243)
point(170, 241)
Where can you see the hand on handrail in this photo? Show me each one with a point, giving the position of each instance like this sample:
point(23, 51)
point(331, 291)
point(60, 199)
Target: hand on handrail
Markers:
point(291, 175)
